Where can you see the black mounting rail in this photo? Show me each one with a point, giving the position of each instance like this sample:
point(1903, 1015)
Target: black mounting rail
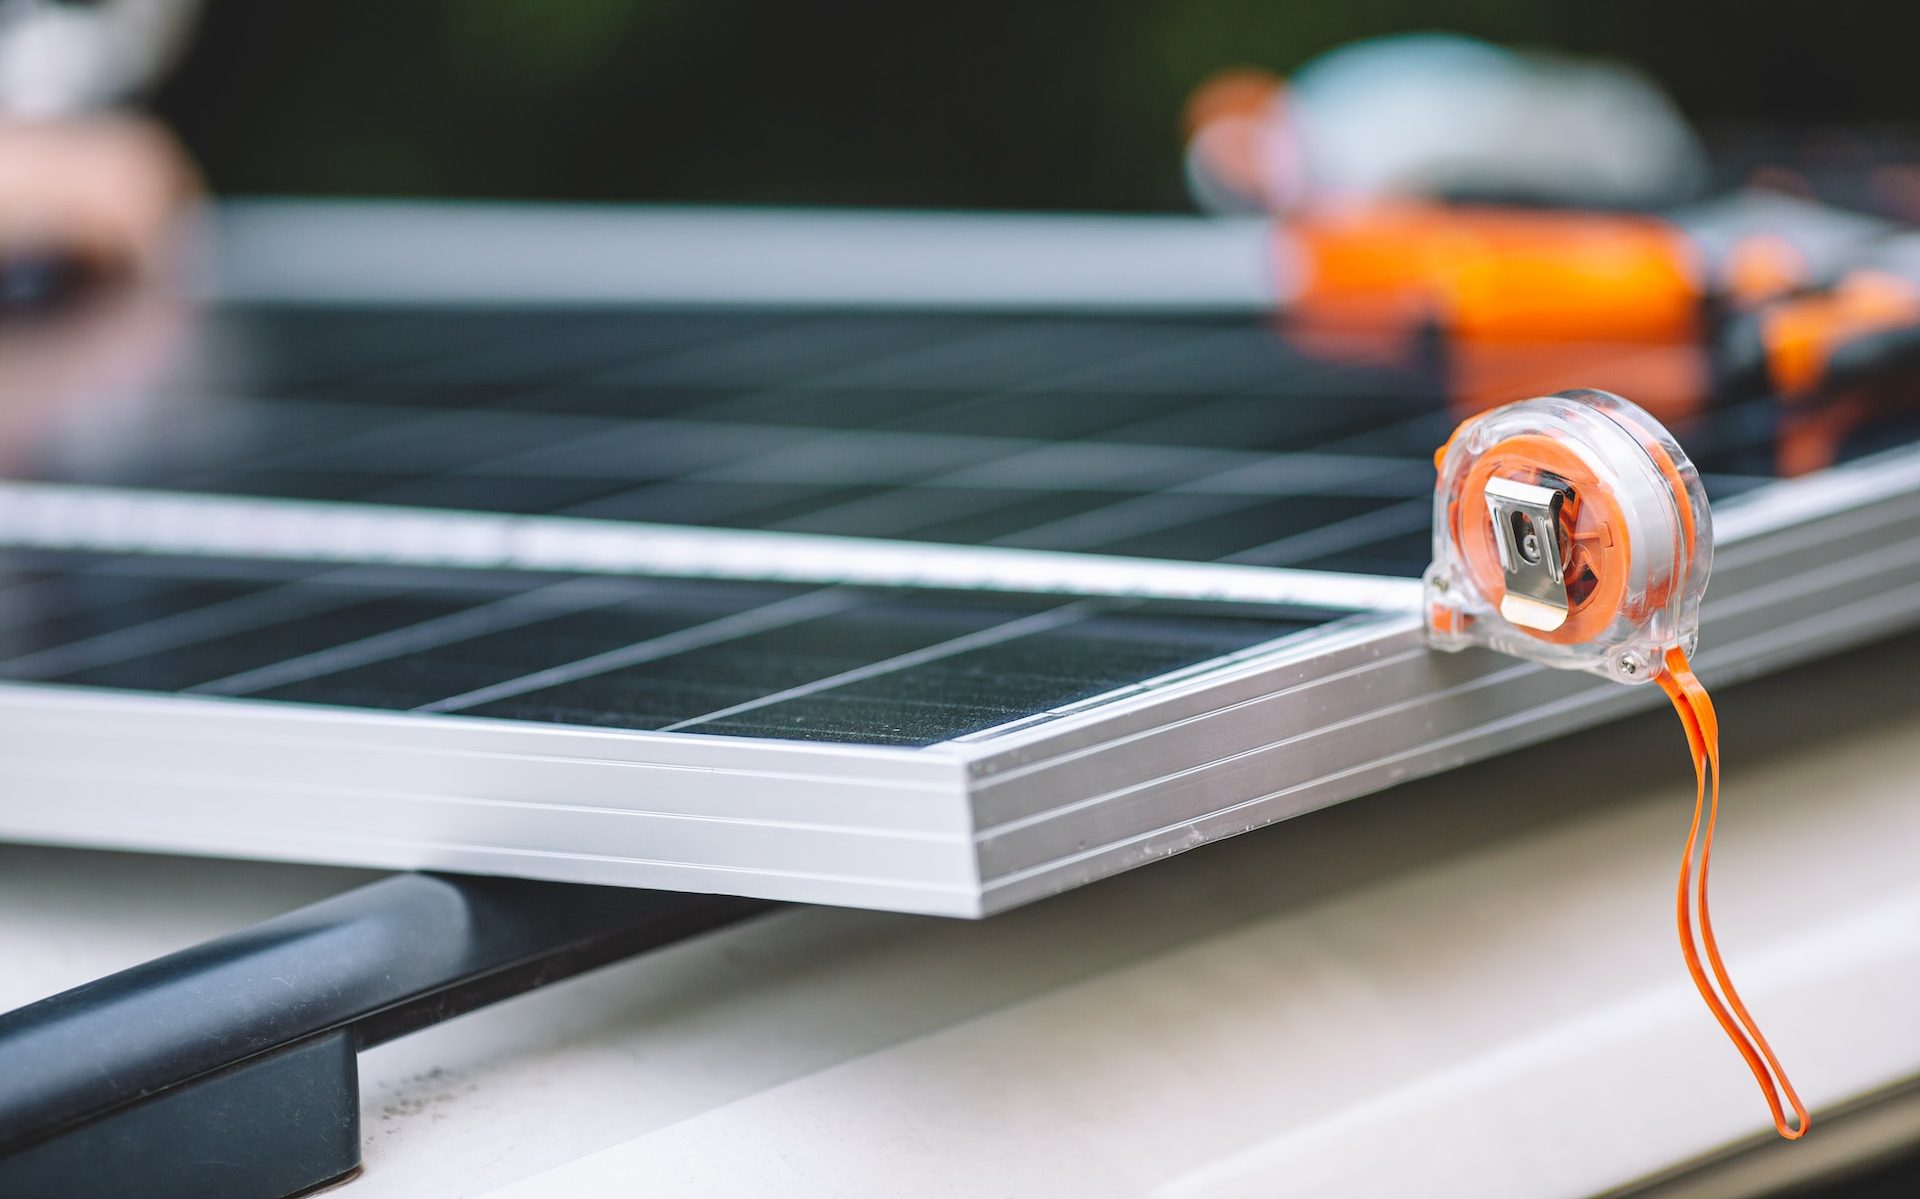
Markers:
point(229, 1070)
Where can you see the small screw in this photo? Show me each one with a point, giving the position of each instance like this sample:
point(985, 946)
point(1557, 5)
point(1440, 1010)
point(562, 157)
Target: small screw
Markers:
point(1629, 665)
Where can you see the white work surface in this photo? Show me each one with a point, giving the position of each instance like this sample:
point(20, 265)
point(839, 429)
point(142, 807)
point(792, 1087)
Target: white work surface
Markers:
point(1466, 986)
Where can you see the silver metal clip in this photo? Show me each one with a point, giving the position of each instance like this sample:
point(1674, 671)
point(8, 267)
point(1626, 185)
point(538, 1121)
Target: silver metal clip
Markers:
point(1526, 529)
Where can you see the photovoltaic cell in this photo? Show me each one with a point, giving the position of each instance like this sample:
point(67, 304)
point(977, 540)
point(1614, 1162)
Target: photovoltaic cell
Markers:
point(822, 664)
point(993, 684)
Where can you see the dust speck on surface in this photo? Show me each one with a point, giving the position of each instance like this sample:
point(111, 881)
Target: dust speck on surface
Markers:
point(426, 1094)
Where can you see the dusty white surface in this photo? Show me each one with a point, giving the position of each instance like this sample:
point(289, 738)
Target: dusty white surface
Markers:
point(1467, 986)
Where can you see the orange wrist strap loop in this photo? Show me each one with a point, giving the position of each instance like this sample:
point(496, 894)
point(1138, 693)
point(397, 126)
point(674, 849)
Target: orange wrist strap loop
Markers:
point(1690, 700)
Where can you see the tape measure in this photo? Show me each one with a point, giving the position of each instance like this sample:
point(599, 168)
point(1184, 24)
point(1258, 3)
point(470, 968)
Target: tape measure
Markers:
point(1571, 530)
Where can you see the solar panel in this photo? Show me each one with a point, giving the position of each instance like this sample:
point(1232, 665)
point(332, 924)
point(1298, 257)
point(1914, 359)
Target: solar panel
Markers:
point(1177, 438)
point(942, 748)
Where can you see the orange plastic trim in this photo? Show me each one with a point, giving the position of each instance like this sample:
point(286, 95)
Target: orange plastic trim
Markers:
point(1235, 94)
point(1763, 267)
point(1800, 334)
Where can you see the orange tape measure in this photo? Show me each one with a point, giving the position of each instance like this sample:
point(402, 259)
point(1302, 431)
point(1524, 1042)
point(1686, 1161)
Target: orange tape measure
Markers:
point(1571, 530)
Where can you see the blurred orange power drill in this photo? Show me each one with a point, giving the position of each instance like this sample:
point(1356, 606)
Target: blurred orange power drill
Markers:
point(1518, 299)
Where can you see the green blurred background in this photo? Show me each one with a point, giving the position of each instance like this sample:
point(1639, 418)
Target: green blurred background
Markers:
point(980, 104)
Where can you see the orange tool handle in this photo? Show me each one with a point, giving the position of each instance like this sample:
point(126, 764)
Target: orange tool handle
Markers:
point(1506, 275)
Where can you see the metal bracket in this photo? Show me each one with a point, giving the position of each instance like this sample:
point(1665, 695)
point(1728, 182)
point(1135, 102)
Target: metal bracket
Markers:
point(1526, 529)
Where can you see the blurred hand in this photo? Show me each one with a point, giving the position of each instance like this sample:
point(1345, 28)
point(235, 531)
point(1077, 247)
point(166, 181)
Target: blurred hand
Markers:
point(111, 193)
point(94, 214)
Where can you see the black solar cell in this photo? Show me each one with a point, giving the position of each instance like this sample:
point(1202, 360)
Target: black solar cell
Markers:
point(742, 659)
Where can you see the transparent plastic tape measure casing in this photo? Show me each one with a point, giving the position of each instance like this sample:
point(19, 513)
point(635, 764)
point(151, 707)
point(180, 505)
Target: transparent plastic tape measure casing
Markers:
point(1570, 530)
